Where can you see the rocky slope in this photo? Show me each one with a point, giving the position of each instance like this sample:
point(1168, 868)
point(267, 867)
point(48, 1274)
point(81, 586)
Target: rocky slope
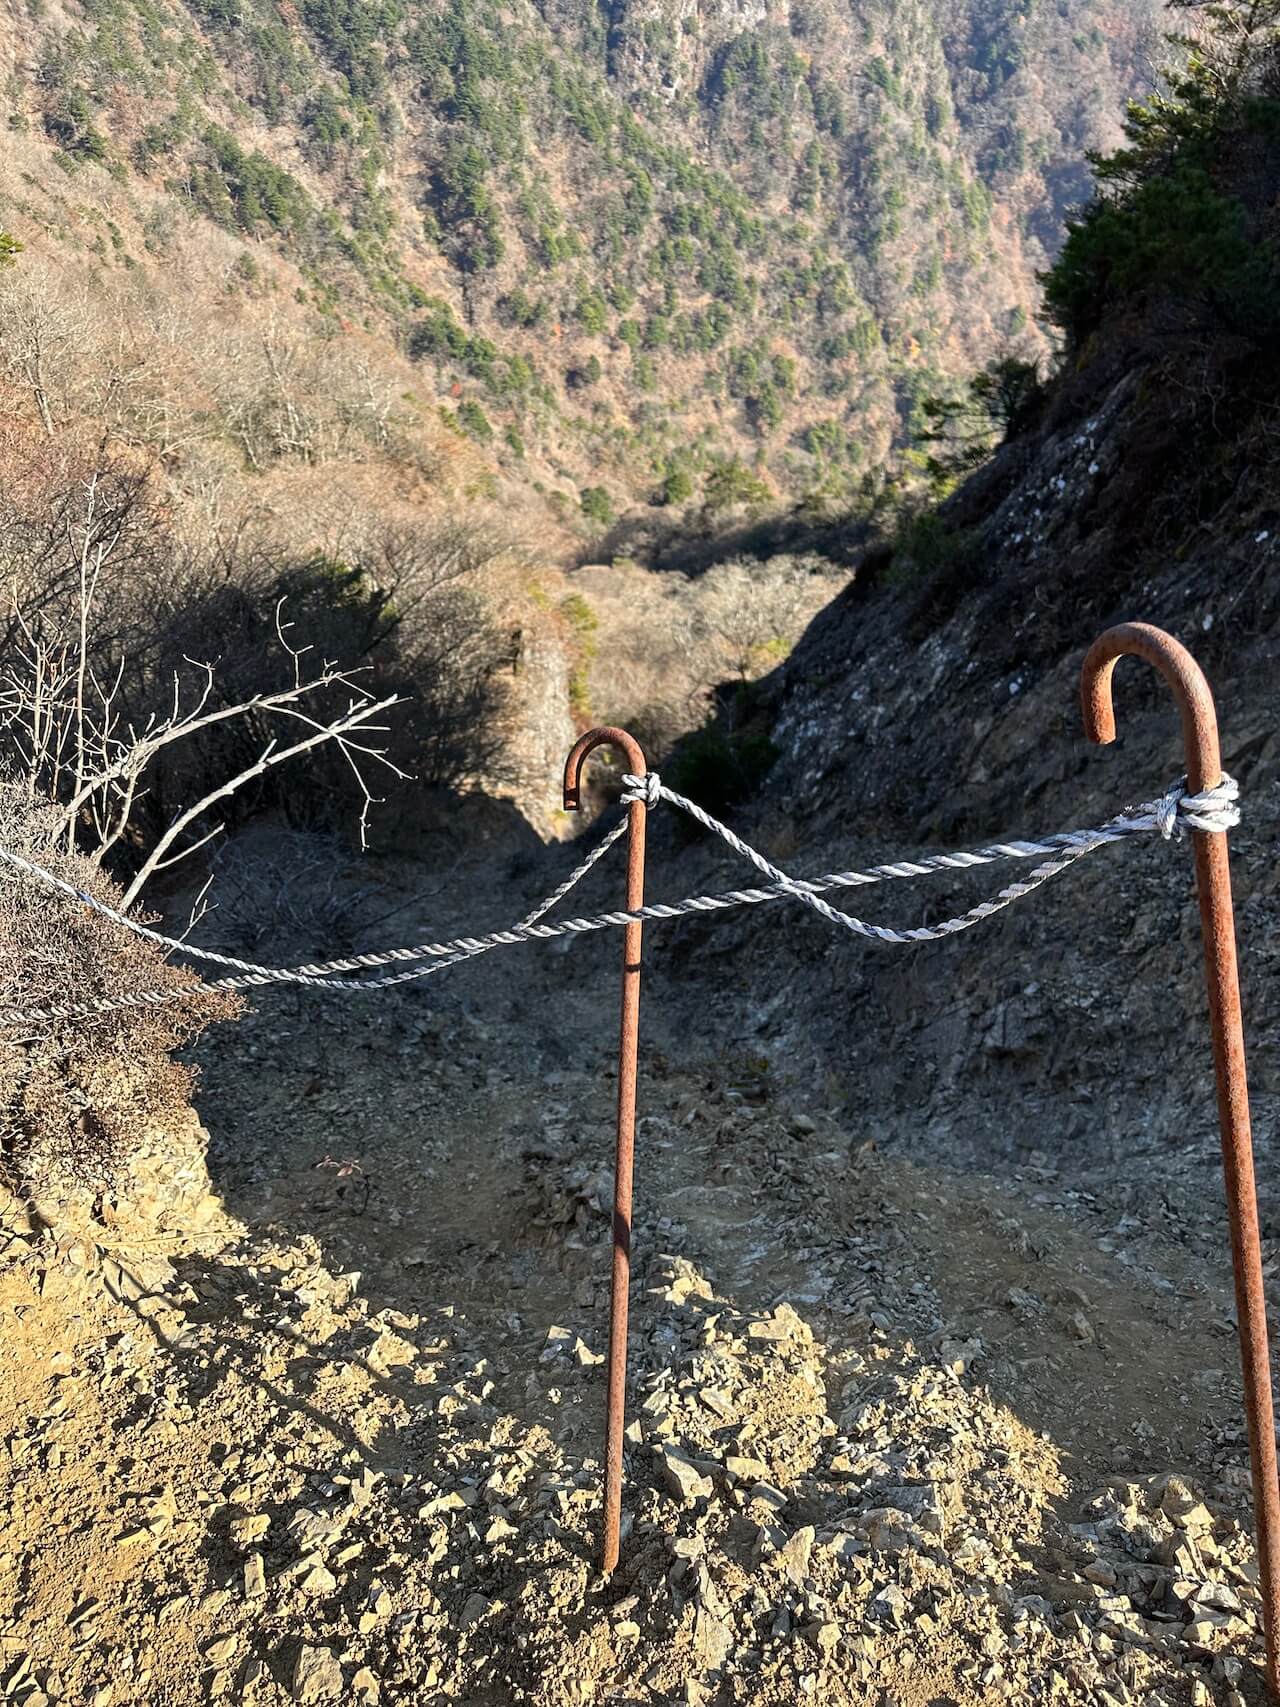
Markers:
point(935, 704)
point(341, 1443)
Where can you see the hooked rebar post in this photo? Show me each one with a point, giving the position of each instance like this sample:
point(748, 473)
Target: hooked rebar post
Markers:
point(628, 1049)
point(1213, 883)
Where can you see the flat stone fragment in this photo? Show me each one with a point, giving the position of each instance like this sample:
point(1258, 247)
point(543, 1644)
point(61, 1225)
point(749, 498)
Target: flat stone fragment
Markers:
point(313, 1531)
point(681, 1478)
point(1179, 1503)
point(768, 1495)
point(825, 1637)
point(473, 1611)
point(558, 1342)
point(365, 1685)
point(1211, 1631)
point(716, 1400)
point(246, 1530)
point(317, 1676)
point(319, 1581)
point(783, 1324)
point(893, 1603)
point(796, 1554)
point(892, 1531)
point(746, 1469)
point(1218, 1597)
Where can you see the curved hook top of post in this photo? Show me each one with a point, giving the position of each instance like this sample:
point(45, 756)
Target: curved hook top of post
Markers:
point(1184, 676)
point(586, 744)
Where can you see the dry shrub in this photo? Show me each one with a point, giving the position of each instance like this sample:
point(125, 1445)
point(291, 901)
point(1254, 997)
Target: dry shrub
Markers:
point(65, 497)
point(275, 892)
point(376, 594)
point(168, 360)
point(665, 641)
point(76, 1094)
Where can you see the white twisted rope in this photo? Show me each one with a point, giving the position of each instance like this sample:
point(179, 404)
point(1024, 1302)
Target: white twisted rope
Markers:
point(297, 974)
point(1211, 811)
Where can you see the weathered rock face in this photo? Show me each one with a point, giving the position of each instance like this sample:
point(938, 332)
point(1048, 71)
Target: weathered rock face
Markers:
point(939, 709)
point(163, 1186)
point(540, 731)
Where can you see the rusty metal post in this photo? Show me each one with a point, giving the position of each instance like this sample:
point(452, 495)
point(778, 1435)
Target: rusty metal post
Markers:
point(628, 1045)
point(1213, 881)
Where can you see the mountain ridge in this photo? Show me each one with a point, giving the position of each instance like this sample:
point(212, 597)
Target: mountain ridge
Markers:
point(707, 261)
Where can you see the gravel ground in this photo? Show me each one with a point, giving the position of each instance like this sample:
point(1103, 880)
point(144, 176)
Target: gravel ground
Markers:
point(899, 1434)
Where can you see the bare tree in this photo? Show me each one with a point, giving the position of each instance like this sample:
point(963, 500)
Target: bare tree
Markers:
point(142, 374)
point(72, 744)
point(63, 504)
point(753, 612)
point(305, 394)
point(40, 328)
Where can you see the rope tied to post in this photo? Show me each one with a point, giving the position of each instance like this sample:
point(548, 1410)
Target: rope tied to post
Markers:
point(1210, 811)
point(643, 790)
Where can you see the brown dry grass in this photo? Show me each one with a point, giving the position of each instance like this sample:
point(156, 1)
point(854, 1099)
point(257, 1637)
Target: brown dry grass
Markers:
point(75, 1094)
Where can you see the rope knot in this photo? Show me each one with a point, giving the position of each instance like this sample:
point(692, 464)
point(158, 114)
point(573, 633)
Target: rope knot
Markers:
point(1167, 807)
point(1212, 810)
point(643, 790)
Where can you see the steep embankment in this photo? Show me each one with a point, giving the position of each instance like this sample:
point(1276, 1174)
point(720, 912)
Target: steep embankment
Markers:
point(936, 704)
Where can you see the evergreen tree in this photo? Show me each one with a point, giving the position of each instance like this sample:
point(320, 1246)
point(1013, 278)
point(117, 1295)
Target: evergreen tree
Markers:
point(1165, 220)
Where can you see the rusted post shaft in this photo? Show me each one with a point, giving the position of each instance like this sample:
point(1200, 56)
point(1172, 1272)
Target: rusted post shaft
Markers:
point(1213, 883)
point(624, 1151)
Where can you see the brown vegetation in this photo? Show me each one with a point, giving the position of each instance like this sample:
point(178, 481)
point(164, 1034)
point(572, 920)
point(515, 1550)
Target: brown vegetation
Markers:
point(76, 1094)
point(615, 268)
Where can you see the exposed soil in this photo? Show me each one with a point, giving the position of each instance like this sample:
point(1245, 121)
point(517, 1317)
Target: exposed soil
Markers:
point(900, 1434)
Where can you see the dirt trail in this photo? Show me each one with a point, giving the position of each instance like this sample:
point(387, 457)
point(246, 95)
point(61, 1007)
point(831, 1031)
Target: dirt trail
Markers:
point(899, 1435)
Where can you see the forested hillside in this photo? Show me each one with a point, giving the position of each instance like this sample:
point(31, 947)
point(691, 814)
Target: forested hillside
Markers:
point(705, 258)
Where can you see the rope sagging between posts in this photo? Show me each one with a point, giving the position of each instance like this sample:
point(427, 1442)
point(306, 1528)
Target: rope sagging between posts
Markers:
point(1210, 811)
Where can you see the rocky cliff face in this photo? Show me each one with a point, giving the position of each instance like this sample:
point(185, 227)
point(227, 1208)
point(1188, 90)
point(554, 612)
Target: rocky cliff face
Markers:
point(938, 707)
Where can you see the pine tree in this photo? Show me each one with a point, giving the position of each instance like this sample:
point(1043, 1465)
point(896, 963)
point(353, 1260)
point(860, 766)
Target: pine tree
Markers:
point(1166, 218)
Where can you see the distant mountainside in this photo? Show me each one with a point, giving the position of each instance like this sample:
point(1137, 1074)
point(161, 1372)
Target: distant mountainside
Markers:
point(639, 253)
